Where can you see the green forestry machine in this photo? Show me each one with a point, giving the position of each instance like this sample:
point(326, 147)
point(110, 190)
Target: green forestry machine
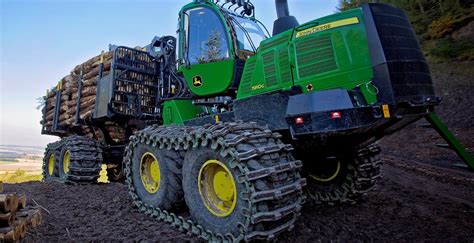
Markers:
point(230, 130)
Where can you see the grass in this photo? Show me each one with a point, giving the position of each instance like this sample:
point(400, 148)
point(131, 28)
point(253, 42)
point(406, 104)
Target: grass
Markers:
point(5, 160)
point(19, 176)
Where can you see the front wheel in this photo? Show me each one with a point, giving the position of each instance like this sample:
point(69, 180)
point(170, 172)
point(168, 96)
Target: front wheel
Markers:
point(153, 174)
point(213, 195)
point(242, 183)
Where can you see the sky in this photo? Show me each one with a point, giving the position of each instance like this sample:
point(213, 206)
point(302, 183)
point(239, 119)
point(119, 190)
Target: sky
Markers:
point(42, 40)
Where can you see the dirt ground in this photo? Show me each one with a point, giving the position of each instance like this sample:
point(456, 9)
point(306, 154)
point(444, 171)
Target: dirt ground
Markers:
point(420, 197)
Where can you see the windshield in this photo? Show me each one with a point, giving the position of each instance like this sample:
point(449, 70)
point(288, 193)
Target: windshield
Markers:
point(254, 31)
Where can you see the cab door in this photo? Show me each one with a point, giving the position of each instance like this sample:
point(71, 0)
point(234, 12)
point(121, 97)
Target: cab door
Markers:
point(207, 59)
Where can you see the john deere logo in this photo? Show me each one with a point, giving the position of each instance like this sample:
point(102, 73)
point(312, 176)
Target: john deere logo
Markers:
point(197, 81)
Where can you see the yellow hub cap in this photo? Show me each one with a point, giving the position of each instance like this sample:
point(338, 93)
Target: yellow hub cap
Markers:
point(66, 161)
point(150, 172)
point(217, 188)
point(51, 164)
point(330, 172)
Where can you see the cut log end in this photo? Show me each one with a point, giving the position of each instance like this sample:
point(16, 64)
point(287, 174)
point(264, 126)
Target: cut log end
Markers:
point(22, 201)
point(16, 217)
point(7, 219)
point(5, 203)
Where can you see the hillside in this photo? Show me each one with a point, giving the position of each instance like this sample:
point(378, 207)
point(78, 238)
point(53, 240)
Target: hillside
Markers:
point(445, 28)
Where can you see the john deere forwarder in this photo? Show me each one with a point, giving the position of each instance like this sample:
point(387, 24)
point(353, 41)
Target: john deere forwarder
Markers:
point(236, 124)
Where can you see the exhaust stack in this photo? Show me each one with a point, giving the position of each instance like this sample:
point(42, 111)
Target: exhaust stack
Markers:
point(284, 21)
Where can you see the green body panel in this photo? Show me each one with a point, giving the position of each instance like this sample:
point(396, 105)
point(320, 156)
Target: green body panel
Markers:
point(178, 111)
point(331, 58)
point(443, 130)
point(216, 76)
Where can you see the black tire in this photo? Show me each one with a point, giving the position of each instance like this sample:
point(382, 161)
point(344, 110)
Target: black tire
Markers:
point(269, 178)
point(55, 150)
point(194, 161)
point(266, 176)
point(170, 190)
point(115, 174)
point(85, 160)
point(358, 174)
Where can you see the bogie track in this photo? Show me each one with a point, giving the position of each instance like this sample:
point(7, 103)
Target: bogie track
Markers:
point(359, 174)
point(270, 189)
point(51, 160)
point(77, 160)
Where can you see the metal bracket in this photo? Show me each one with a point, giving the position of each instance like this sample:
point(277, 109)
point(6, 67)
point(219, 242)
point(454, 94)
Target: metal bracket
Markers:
point(57, 109)
point(78, 99)
point(449, 137)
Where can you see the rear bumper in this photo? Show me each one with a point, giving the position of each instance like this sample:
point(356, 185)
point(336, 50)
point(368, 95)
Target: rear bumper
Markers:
point(335, 120)
point(304, 117)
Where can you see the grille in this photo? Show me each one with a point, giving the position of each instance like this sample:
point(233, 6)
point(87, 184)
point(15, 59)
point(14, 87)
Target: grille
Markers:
point(315, 56)
point(269, 68)
point(247, 75)
point(283, 62)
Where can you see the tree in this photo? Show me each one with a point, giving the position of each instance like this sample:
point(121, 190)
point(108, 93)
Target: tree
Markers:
point(213, 50)
point(348, 4)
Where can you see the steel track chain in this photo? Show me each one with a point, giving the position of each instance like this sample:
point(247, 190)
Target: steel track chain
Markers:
point(84, 151)
point(366, 174)
point(56, 147)
point(86, 159)
point(287, 197)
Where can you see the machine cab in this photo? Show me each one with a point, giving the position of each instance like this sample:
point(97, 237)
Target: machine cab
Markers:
point(213, 46)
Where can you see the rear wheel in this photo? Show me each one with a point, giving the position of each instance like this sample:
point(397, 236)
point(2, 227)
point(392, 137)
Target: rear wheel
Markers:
point(342, 180)
point(327, 170)
point(51, 161)
point(115, 173)
point(80, 160)
point(65, 163)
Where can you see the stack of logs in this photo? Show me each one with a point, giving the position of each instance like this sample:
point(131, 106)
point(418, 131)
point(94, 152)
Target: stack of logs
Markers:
point(16, 217)
point(69, 86)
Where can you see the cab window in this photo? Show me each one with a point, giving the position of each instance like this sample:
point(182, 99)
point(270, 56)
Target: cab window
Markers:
point(207, 38)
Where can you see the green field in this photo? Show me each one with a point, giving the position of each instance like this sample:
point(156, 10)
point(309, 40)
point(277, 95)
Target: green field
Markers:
point(20, 176)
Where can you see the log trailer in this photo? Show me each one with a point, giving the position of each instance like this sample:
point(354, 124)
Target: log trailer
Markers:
point(230, 130)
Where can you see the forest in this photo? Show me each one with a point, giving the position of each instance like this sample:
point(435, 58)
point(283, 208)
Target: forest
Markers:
point(445, 28)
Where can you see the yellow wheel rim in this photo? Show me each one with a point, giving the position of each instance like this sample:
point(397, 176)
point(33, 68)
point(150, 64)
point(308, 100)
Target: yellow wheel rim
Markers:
point(66, 161)
point(150, 172)
point(51, 164)
point(327, 177)
point(217, 188)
